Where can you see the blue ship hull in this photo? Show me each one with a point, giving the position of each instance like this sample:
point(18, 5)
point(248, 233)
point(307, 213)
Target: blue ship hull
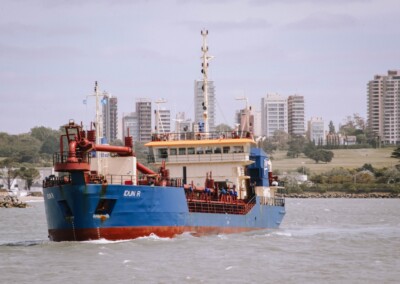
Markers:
point(114, 212)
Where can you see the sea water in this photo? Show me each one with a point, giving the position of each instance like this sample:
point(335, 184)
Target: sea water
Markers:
point(320, 241)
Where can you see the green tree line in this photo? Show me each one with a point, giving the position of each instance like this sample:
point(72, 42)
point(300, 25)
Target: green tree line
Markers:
point(35, 147)
point(20, 154)
point(360, 180)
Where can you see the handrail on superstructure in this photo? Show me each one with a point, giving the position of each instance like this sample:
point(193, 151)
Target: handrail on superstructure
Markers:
point(185, 136)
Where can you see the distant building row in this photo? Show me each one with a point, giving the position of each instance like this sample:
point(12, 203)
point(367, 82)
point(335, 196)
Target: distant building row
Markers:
point(138, 124)
point(277, 113)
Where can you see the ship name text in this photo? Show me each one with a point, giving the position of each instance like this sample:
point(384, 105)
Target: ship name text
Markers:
point(132, 193)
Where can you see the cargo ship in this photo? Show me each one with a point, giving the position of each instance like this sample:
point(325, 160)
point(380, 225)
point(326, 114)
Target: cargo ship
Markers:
point(205, 183)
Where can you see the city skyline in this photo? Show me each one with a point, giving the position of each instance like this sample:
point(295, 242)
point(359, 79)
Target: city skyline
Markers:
point(52, 52)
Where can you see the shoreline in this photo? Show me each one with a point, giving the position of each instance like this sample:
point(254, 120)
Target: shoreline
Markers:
point(30, 199)
point(375, 195)
point(11, 201)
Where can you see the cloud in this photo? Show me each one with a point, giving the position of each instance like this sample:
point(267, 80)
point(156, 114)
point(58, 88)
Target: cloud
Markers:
point(20, 29)
point(318, 21)
point(17, 28)
point(216, 2)
point(142, 53)
point(319, 2)
point(46, 52)
point(79, 3)
point(247, 24)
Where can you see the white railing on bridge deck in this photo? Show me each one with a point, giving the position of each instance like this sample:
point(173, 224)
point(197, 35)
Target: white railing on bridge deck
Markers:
point(223, 157)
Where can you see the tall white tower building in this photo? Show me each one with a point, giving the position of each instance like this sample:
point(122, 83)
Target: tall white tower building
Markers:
point(130, 125)
point(143, 111)
point(316, 130)
point(384, 107)
point(110, 117)
point(274, 114)
point(296, 117)
point(163, 120)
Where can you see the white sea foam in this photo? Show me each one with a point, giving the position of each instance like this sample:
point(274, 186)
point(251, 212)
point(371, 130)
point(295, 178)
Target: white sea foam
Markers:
point(223, 237)
point(186, 235)
point(104, 241)
point(154, 237)
point(285, 234)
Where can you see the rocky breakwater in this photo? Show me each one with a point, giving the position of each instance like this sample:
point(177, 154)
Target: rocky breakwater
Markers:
point(342, 195)
point(7, 201)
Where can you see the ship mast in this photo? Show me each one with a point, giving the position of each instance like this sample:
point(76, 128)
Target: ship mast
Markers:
point(205, 59)
point(98, 125)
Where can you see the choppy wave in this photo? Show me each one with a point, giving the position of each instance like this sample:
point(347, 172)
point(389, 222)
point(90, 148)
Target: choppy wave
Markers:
point(27, 243)
point(356, 241)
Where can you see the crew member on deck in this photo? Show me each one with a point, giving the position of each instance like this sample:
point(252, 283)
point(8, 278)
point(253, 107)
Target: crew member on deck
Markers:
point(207, 193)
point(223, 194)
point(234, 192)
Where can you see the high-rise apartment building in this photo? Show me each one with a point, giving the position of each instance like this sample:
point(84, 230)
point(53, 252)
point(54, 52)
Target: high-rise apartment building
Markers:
point(274, 114)
point(143, 111)
point(199, 104)
point(130, 125)
point(244, 118)
point(110, 117)
point(257, 123)
point(163, 121)
point(296, 116)
point(316, 130)
point(384, 107)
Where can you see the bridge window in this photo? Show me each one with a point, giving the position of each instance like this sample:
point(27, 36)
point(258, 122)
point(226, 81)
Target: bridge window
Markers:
point(238, 149)
point(172, 151)
point(217, 150)
point(162, 153)
point(226, 149)
point(199, 150)
point(190, 151)
point(182, 151)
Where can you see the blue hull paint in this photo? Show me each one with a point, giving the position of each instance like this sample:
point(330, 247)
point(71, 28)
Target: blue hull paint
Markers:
point(73, 207)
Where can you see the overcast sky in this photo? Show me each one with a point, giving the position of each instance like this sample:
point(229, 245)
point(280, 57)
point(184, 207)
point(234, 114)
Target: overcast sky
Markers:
point(52, 52)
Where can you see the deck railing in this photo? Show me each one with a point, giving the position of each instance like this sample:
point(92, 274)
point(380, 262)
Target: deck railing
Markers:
point(204, 157)
point(53, 180)
point(200, 135)
point(219, 207)
point(62, 158)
